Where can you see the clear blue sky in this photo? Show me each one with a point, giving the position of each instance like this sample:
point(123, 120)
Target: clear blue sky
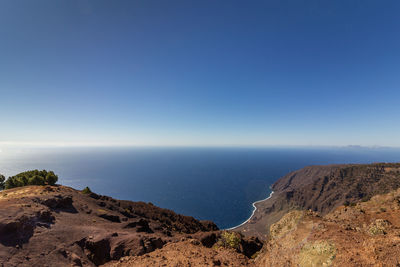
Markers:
point(200, 72)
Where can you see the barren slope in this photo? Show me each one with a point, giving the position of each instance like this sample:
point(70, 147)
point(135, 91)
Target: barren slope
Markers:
point(322, 189)
point(364, 234)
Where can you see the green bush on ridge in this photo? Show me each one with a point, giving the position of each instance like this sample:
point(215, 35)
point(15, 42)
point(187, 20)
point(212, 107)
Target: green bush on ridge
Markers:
point(86, 190)
point(229, 240)
point(2, 180)
point(34, 177)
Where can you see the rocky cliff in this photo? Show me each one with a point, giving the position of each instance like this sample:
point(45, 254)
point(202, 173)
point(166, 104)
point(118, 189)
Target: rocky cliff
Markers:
point(61, 226)
point(362, 234)
point(339, 215)
point(322, 189)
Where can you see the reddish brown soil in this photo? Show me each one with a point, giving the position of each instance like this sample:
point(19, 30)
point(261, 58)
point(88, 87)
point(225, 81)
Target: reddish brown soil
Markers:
point(186, 253)
point(60, 226)
point(364, 234)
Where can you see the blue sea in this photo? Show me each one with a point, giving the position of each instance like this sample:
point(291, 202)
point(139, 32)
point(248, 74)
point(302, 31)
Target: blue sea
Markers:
point(217, 184)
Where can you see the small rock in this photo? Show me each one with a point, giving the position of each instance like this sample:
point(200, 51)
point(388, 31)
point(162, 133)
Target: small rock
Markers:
point(217, 262)
point(195, 242)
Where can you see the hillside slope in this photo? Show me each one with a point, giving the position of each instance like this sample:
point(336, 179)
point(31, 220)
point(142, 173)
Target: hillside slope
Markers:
point(61, 226)
point(363, 234)
point(322, 189)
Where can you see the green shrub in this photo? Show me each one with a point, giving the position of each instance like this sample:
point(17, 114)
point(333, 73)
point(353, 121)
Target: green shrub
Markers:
point(36, 180)
point(379, 227)
point(51, 178)
point(86, 190)
point(34, 177)
point(229, 240)
point(2, 179)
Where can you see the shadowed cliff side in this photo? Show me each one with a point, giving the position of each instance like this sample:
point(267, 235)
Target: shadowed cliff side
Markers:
point(322, 189)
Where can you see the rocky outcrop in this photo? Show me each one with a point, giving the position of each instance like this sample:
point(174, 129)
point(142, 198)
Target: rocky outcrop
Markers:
point(363, 234)
point(322, 189)
point(60, 226)
point(187, 252)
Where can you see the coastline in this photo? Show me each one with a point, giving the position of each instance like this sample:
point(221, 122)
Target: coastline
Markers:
point(252, 214)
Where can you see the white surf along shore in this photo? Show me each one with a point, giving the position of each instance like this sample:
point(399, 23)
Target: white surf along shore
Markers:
point(254, 210)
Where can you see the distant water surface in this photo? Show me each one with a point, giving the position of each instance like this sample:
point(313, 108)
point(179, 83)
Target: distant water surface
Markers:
point(217, 184)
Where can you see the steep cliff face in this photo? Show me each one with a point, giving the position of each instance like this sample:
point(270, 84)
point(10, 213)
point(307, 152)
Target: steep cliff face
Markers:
point(363, 234)
point(322, 189)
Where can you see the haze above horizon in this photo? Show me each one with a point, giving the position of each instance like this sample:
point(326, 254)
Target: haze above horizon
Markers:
point(200, 73)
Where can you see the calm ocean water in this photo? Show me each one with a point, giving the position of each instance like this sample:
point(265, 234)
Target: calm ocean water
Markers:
point(217, 184)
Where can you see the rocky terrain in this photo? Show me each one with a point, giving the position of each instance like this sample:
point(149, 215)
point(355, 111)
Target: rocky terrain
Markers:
point(61, 226)
point(322, 189)
point(362, 234)
point(186, 253)
point(337, 215)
